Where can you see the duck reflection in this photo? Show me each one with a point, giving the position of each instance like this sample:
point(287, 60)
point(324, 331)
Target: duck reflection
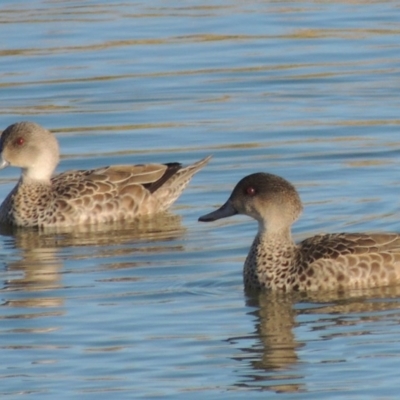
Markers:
point(38, 256)
point(274, 359)
point(274, 352)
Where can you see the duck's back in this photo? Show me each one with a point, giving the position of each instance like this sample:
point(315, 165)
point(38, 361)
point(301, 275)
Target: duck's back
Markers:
point(339, 261)
point(110, 193)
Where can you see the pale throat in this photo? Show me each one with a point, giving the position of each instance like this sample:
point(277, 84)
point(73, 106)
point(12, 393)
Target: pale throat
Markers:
point(39, 172)
point(275, 230)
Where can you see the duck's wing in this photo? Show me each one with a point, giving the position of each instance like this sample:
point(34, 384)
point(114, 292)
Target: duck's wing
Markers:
point(335, 245)
point(351, 260)
point(146, 174)
point(124, 191)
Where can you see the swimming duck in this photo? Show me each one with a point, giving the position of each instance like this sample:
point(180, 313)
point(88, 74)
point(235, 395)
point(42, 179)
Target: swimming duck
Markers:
point(322, 262)
point(112, 193)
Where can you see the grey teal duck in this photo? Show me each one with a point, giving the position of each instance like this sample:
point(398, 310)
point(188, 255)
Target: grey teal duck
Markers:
point(108, 194)
point(335, 261)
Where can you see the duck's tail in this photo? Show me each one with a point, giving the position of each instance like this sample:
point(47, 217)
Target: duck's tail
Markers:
point(174, 181)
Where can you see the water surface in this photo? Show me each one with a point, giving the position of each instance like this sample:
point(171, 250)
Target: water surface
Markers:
point(306, 90)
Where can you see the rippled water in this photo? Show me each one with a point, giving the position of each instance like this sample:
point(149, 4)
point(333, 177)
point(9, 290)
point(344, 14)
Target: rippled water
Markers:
point(306, 90)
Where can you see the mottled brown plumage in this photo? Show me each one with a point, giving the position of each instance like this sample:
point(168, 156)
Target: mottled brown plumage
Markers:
point(83, 196)
point(322, 262)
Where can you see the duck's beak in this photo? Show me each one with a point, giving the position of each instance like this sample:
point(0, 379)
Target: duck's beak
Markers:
point(3, 163)
point(227, 210)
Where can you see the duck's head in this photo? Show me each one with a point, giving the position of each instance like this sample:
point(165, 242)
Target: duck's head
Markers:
point(269, 199)
point(32, 148)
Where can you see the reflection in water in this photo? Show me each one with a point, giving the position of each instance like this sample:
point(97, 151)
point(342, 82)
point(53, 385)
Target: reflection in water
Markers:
point(275, 350)
point(276, 355)
point(40, 252)
point(163, 226)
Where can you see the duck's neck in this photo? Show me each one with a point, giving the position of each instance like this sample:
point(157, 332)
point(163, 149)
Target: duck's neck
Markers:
point(36, 175)
point(271, 256)
point(275, 244)
point(278, 233)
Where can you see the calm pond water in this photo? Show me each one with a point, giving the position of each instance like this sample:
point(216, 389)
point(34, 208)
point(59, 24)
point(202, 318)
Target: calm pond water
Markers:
point(306, 90)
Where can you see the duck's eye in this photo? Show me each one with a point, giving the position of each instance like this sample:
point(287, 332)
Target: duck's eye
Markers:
point(250, 190)
point(19, 141)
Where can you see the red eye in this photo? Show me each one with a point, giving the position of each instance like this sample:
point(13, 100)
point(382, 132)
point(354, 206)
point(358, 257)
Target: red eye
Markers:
point(250, 191)
point(19, 141)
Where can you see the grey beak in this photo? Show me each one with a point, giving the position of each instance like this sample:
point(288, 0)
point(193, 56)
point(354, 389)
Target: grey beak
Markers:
point(227, 210)
point(3, 163)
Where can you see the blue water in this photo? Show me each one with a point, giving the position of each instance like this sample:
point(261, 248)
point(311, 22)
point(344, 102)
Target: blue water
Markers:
point(305, 90)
